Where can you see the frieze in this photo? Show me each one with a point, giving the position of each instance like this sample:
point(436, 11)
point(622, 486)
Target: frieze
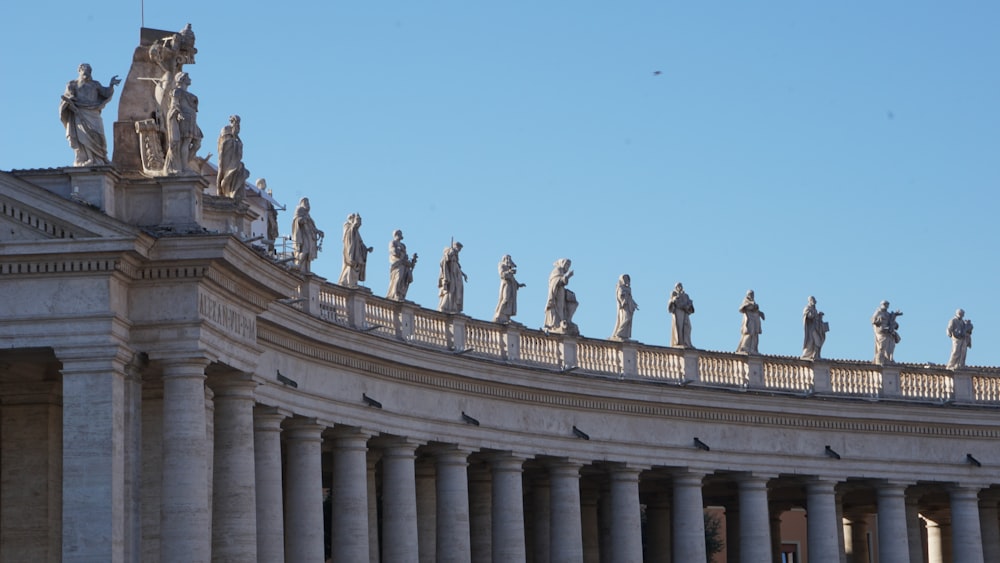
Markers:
point(228, 318)
point(615, 406)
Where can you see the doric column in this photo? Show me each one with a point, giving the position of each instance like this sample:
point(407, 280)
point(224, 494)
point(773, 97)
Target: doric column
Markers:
point(821, 521)
point(480, 512)
point(185, 520)
point(658, 524)
point(538, 520)
point(755, 530)
point(349, 495)
point(31, 466)
point(304, 491)
point(590, 526)
point(935, 543)
point(688, 517)
point(152, 469)
point(565, 533)
point(626, 525)
point(967, 539)
point(776, 510)
point(453, 539)
point(399, 501)
point(913, 527)
point(267, 476)
point(426, 510)
point(371, 460)
point(893, 542)
point(858, 538)
point(989, 524)
point(234, 501)
point(508, 509)
point(133, 457)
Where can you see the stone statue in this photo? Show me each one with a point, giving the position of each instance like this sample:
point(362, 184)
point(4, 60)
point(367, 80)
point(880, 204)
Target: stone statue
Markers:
point(886, 335)
point(751, 329)
point(681, 307)
point(960, 331)
point(232, 174)
point(400, 268)
point(183, 134)
point(451, 281)
point(815, 329)
point(626, 308)
point(80, 113)
point(507, 304)
point(562, 303)
point(272, 216)
point(355, 253)
point(306, 238)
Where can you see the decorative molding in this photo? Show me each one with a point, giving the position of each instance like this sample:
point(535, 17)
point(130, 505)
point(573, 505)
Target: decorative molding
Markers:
point(627, 406)
point(52, 229)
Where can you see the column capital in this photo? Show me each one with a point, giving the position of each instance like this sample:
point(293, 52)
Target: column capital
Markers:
point(564, 467)
point(349, 437)
point(396, 446)
point(266, 418)
point(237, 385)
point(822, 485)
point(964, 490)
point(507, 461)
point(625, 471)
point(688, 477)
point(750, 478)
point(303, 429)
point(177, 367)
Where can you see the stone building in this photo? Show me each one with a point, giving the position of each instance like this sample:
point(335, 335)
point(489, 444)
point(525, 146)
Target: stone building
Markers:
point(170, 391)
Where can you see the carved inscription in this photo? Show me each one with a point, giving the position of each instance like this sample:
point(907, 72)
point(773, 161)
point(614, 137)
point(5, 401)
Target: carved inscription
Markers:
point(228, 318)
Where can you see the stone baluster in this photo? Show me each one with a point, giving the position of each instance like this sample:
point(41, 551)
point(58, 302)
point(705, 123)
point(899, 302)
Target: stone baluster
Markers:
point(234, 500)
point(399, 501)
point(185, 520)
point(755, 531)
point(967, 539)
point(688, 516)
point(822, 522)
point(304, 490)
point(349, 495)
point(508, 509)
point(453, 534)
point(267, 477)
point(565, 533)
point(893, 540)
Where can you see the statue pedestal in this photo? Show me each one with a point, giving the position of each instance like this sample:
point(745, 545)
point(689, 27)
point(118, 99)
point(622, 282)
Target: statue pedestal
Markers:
point(181, 201)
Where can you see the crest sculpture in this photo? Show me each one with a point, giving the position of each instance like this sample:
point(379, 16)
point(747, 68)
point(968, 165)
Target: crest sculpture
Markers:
point(157, 133)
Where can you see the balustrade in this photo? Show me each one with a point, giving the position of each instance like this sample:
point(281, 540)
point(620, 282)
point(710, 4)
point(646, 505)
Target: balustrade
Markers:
point(513, 343)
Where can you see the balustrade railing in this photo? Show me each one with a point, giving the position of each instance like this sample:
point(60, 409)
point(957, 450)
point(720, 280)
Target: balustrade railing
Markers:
point(599, 356)
point(788, 375)
point(660, 363)
point(731, 371)
point(515, 344)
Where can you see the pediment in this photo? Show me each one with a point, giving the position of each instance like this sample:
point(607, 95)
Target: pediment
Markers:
point(30, 212)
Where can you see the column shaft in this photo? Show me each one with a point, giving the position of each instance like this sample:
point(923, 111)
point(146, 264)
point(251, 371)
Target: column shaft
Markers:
point(688, 518)
point(822, 521)
point(540, 518)
point(508, 509)
point(399, 502)
point(990, 525)
point(185, 518)
point(565, 532)
point(426, 511)
point(267, 476)
point(626, 525)
point(234, 500)
point(755, 530)
point(374, 552)
point(967, 539)
point(893, 541)
point(481, 512)
point(303, 491)
point(453, 539)
point(349, 496)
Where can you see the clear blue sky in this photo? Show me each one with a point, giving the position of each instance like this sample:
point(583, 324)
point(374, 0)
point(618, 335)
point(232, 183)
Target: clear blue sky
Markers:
point(847, 150)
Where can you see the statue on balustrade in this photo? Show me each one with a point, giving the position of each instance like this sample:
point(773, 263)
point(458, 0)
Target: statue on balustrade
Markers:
point(626, 308)
point(815, 329)
point(272, 216)
point(507, 304)
point(80, 113)
point(183, 134)
point(400, 268)
point(355, 253)
point(232, 174)
point(306, 238)
point(561, 303)
point(681, 307)
point(886, 333)
point(960, 331)
point(451, 281)
point(751, 329)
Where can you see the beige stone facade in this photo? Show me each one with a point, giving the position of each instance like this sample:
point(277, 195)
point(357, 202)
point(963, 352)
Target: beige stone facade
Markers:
point(169, 392)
